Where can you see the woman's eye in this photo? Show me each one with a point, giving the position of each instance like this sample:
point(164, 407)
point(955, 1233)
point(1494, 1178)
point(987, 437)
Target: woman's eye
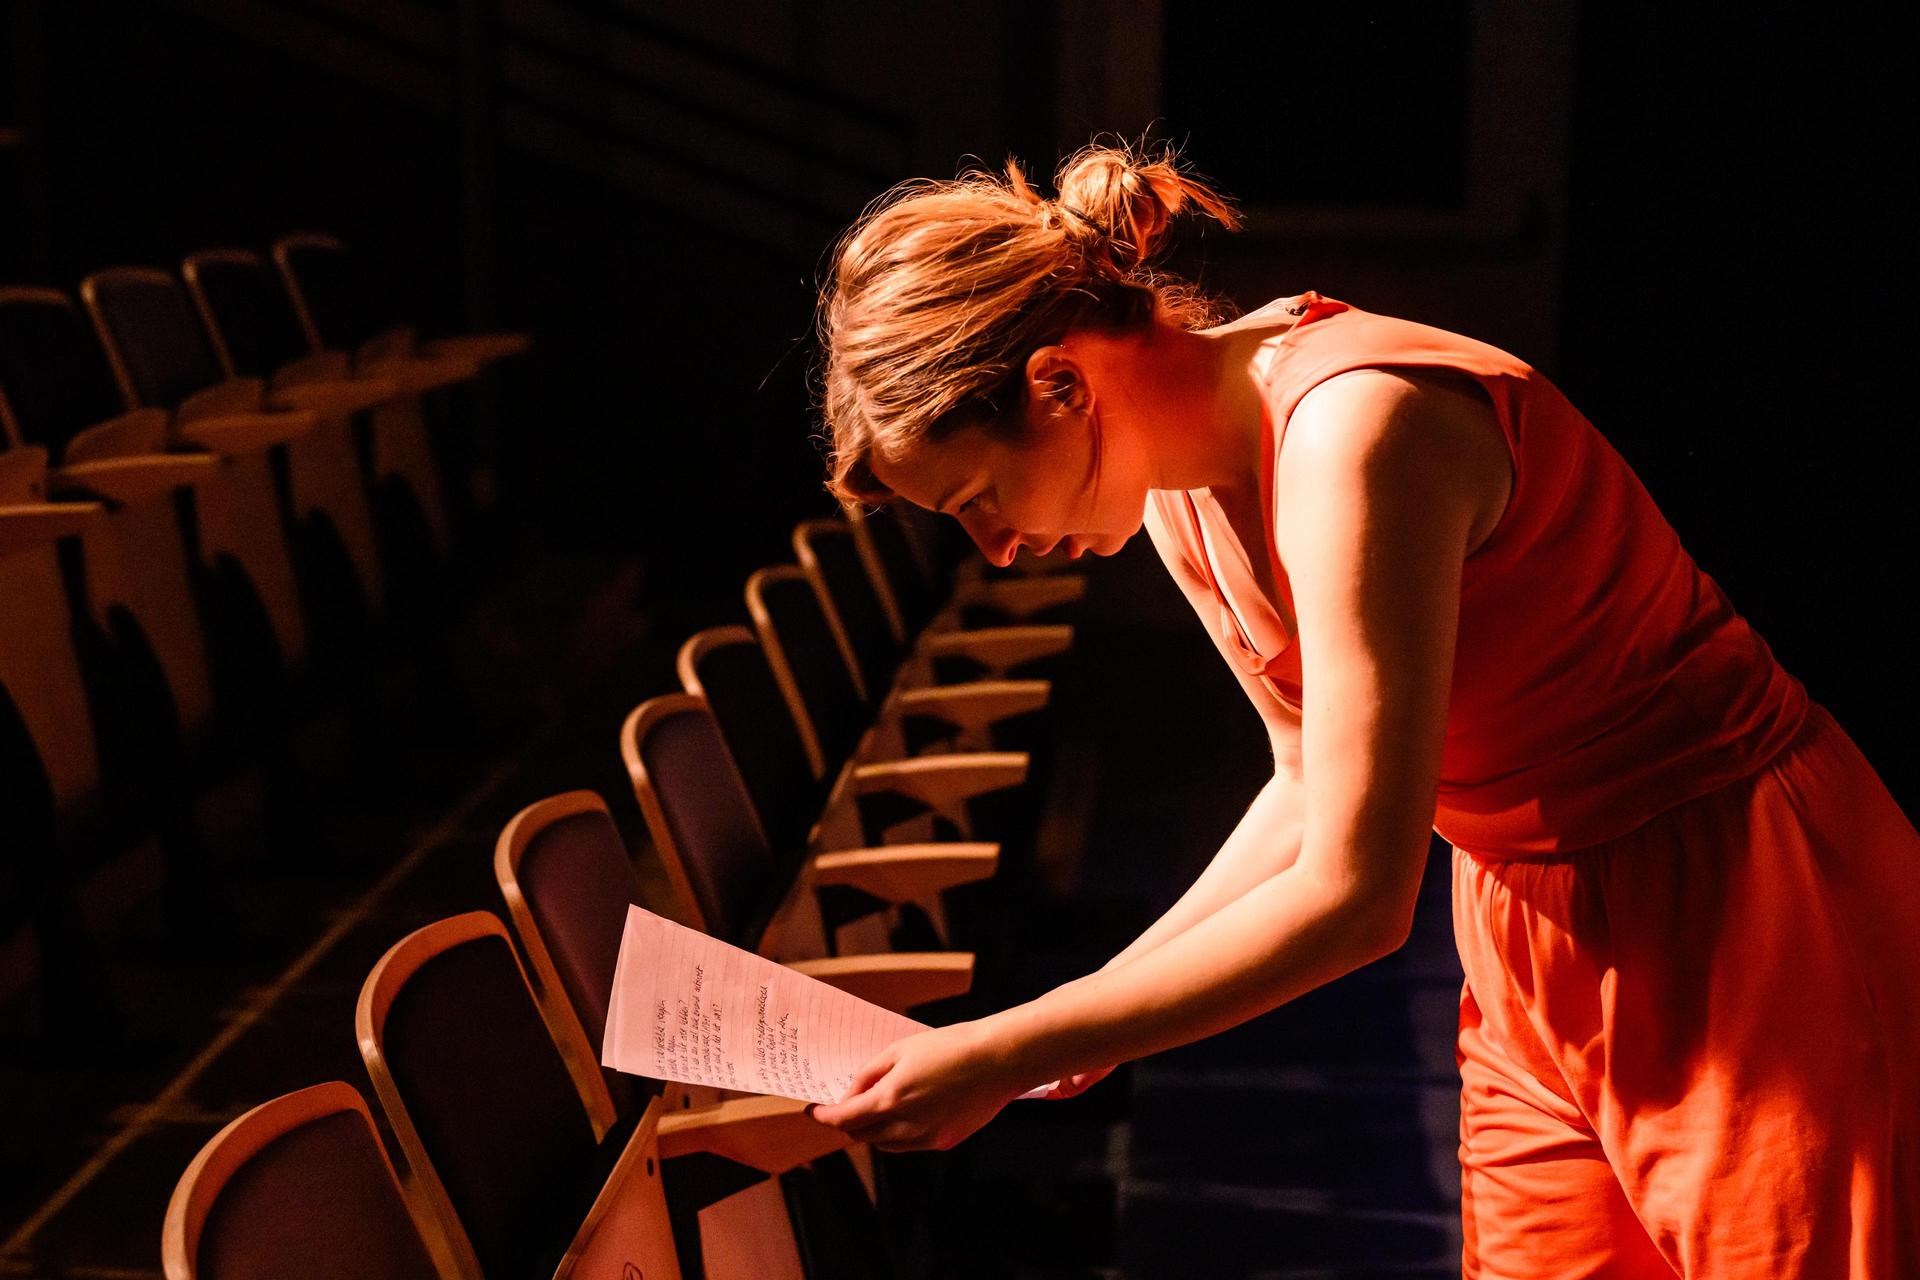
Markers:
point(978, 502)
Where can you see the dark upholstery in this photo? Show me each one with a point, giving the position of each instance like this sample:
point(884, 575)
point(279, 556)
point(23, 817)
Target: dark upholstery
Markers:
point(491, 1098)
point(858, 605)
point(152, 322)
point(942, 539)
point(826, 687)
point(760, 732)
point(578, 882)
point(26, 816)
point(338, 296)
point(53, 372)
point(711, 816)
point(316, 1202)
point(255, 317)
point(911, 590)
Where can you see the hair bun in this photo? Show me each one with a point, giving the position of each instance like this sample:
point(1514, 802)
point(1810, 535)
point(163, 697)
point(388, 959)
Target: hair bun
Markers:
point(1133, 200)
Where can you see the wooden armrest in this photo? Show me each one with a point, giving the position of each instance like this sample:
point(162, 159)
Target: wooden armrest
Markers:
point(315, 366)
point(136, 431)
point(334, 399)
point(1000, 647)
point(974, 705)
point(248, 432)
point(906, 872)
point(942, 782)
point(1022, 597)
point(896, 980)
point(415, 375)
point(132, 480)
point(626, 1231)
point(221, 400)
point(772, 1135)
point(31, 524)
point(477, 348)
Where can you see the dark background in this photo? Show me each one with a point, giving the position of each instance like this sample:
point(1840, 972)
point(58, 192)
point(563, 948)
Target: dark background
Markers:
point(1701, 227)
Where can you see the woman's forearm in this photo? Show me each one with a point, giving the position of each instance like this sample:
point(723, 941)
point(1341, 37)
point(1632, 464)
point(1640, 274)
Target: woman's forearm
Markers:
point(1262, 844)
point(1274, 942)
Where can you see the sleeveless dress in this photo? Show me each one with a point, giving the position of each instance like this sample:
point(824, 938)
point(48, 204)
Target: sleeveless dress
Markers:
point(1687, 909)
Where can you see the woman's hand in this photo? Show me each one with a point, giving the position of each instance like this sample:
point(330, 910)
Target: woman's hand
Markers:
point(926, 1092)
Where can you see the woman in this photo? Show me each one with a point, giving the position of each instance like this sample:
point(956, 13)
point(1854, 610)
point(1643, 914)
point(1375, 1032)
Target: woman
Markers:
point(1684, 902)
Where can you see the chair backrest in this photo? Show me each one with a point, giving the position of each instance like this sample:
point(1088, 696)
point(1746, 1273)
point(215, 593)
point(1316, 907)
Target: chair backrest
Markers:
point(248, 315)
point(297, 1186)
point(39, 662)
point(567, 879)
point(54, 378)
point(902, 582)
point(327, 283)
point(940, 543)
point(479, 1098)
point(727, 668)
point(700, 817)
point(151, 335)
point(831, 561)
point(808, 664)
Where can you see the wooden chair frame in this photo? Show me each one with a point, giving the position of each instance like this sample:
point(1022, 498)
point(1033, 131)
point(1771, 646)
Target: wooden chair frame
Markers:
point(549, 992)
point(442, 361)
point(427, 1197)
point(136, 556)
point(229, 1150)
point(995, 648)
point(895, 874)
point(239, 509)
point(771, 1135)
point(973, 708)
point(1020, 598)
point(48, 691)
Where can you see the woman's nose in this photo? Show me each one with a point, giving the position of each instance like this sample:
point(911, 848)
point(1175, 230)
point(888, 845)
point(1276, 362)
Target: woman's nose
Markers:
point(997, 543)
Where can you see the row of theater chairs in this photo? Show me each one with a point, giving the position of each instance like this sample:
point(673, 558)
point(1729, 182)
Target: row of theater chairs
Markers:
point(505, 1123)
point(214, 490)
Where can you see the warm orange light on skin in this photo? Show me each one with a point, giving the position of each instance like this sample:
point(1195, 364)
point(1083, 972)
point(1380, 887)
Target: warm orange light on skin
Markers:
point(1106, 417)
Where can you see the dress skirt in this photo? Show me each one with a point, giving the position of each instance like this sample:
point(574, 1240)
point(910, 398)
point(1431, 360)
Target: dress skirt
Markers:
point(1694, 1050)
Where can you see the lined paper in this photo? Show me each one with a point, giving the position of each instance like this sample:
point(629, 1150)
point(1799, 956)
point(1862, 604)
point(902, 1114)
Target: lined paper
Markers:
point(694, 1010)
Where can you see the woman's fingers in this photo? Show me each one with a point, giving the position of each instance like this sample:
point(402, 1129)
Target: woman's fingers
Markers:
point(871, 1074)
point(858, 1103)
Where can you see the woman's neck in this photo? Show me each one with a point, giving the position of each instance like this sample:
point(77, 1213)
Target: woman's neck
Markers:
point(1192, 397)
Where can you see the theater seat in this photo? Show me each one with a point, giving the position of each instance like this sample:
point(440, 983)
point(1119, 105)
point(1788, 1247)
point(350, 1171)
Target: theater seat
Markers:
point(299, 1186)
point(883, 661)
point(718, 859)
point(506, 1174)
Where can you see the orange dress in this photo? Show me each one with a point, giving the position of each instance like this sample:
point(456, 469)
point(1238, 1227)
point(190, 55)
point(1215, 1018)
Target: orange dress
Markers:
point(1685, 904)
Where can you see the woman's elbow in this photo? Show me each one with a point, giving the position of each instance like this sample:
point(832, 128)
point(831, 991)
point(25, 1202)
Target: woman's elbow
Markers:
point(1377, 919)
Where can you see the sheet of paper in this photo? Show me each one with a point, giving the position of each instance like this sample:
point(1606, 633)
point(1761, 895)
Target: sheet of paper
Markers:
point(692, 1009)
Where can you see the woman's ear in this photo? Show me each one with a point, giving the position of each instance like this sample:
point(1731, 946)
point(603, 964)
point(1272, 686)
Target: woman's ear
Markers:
point(1056, 382)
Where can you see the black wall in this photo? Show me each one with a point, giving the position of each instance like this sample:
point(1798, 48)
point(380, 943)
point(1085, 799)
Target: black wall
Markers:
point(1738, 260)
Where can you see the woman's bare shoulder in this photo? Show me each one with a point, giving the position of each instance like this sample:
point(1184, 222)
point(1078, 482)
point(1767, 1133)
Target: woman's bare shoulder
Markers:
point(1433, 433)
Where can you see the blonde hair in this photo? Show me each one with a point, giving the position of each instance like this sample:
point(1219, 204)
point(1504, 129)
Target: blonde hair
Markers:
point(942, 289)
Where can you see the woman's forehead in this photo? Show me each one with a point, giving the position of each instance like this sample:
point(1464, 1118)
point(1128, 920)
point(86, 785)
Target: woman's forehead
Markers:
point(932, 472)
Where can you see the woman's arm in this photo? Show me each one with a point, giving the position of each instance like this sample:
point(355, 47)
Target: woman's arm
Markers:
point(1379, 487)
point(1266, 840)
point(1264, 843)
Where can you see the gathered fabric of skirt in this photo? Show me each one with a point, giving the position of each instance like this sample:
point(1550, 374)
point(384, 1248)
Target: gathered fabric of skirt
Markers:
point(1694, 1049)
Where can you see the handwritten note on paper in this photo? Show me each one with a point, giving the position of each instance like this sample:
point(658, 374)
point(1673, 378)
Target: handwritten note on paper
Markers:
point(692, 1009)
